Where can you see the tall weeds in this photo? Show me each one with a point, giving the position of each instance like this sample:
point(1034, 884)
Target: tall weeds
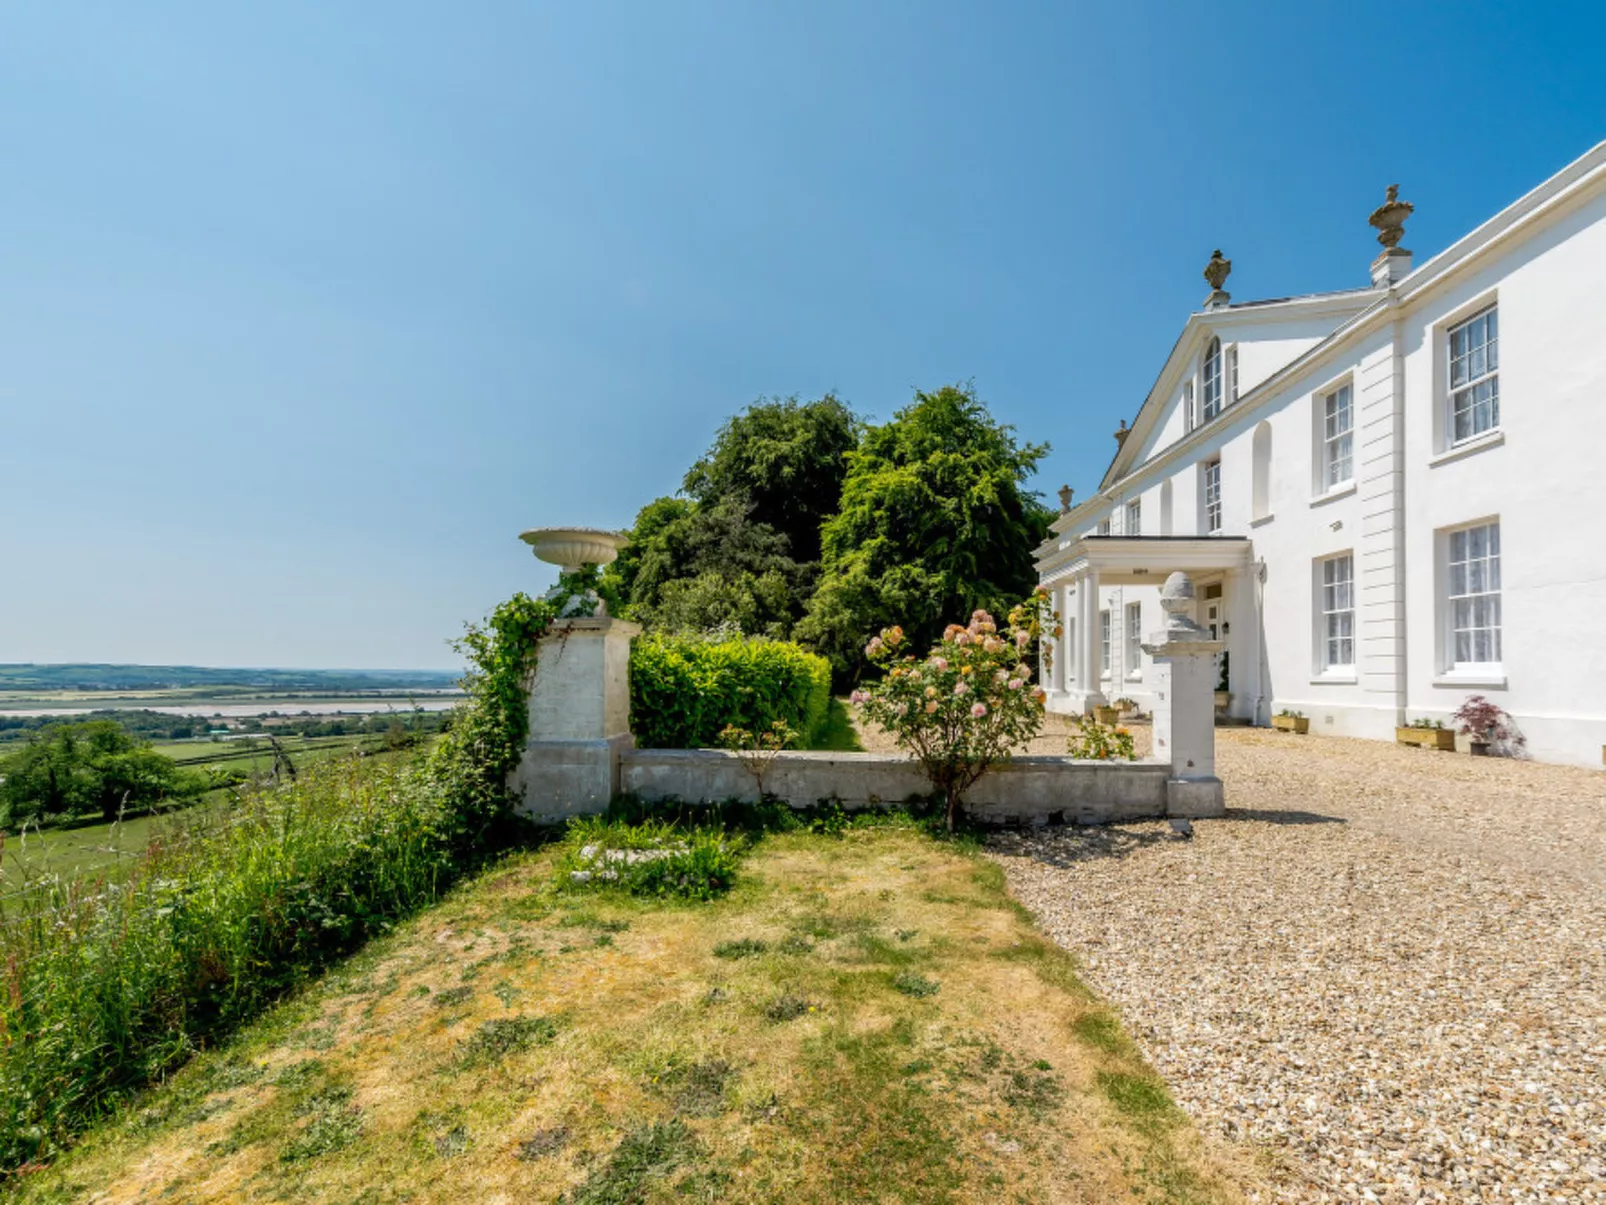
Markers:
point(107, 984)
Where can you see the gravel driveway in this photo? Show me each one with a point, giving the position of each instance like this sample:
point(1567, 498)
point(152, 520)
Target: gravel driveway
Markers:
point(1383, 971)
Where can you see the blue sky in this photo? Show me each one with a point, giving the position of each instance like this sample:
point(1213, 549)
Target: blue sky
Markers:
point(306, 310)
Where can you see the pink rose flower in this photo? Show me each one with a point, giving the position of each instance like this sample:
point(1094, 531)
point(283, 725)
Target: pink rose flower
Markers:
point(931, 707)
point(978, 710)
point(903, 709)
point(963, 688)
point(939, 663)
point(1015, 684)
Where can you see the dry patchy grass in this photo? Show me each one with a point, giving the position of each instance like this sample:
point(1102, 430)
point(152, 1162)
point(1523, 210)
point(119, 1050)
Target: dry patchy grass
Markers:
point(865, 1019)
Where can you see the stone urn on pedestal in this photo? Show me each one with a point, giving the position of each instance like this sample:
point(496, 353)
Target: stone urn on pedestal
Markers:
point(1184, 720)
point(580, 694)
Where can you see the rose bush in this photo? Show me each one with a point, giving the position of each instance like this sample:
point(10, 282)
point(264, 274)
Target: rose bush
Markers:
point(967, 703)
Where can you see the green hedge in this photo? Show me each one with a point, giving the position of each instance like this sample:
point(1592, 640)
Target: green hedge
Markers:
point(683, 689)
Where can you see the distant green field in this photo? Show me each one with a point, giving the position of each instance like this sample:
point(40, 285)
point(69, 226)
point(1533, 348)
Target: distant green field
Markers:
point(89, 848)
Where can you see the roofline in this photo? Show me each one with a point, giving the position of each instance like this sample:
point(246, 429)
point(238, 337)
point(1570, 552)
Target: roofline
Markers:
point(1344, 303)
point(1550, 200)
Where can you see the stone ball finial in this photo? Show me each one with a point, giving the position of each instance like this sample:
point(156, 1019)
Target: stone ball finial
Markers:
point(1389, 217)
point(1065, 493)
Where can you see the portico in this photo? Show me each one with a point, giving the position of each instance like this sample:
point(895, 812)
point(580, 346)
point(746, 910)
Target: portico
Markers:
point(1105, 589)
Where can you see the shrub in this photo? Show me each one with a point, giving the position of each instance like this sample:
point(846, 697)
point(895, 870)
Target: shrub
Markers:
point(966, 704)
point(1484, 720)
point(1093, 741)
point(685, 690)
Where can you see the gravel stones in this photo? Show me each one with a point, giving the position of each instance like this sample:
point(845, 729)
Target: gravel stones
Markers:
point(1383, 969)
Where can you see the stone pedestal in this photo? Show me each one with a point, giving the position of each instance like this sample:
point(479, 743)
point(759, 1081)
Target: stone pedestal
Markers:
point(579, 719)
point(1184, 704)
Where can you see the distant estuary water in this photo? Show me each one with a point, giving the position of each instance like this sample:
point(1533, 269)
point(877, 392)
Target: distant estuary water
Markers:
point(422, 701)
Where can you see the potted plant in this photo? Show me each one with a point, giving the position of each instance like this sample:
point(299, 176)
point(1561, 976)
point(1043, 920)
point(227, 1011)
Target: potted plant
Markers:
point(1126, 706)
point(1224, 684)
point(1426, 734)
point(1291, 721)
point(1487, 724)
point(1107, 715)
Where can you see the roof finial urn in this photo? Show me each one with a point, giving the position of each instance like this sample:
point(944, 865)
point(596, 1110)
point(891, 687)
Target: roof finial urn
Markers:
point(1120, 435)
point(1065, 498)
point(1215, 274)
point(1389, 218)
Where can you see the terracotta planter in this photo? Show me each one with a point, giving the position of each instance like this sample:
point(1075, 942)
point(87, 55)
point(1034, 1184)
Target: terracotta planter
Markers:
point(1427, 738)
point(1291, 723)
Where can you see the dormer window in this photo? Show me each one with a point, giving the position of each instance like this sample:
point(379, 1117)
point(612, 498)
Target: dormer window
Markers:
point(1212, 380)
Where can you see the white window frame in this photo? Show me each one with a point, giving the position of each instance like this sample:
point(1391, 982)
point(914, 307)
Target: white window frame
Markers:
point(1104, 644)
point(1104, 526)
point(1212, 377)
point(1190, 416)
point(1210, 495)
point(1134, 641)
point(1134, 517)
point(1480, 372)
point(1472, 577)
point(1335, 615)
point(1337, 442)
point(1232, 374)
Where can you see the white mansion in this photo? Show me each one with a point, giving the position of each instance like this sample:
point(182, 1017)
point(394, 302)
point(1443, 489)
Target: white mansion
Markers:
point(1388, 498)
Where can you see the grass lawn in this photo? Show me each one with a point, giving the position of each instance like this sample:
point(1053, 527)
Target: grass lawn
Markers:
point(866, 1018)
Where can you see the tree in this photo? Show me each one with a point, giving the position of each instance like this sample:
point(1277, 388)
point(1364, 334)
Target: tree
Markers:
point(934, 520)
point(75, 768)
point(785, 461)
point(742, 547)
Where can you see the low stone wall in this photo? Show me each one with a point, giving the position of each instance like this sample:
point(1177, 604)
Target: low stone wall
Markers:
point(1025, 790)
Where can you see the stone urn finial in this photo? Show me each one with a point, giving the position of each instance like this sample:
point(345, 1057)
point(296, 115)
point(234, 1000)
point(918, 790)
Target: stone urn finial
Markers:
point(1121, 434)
point(1389, 218)
point(1065, 498)
point(572, 549)
point(1215, 274)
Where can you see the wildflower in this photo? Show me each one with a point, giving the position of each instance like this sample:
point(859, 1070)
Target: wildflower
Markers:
point(963, 688)
point(931, 707)
point(978, 710)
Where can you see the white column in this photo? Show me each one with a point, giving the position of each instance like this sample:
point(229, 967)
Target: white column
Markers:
point(1184, 708)
point(1090, 645)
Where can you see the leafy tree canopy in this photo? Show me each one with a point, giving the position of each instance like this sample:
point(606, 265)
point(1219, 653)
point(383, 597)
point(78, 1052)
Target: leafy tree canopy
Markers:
point(935, 520)
point(742, 547)
point(78, 768)
point(785, 460)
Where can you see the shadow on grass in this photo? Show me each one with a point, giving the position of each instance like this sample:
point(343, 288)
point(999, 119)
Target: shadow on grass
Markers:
point(837, 734)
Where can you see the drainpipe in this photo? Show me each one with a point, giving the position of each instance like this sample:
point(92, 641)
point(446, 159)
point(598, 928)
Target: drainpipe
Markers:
point(1258, 572)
